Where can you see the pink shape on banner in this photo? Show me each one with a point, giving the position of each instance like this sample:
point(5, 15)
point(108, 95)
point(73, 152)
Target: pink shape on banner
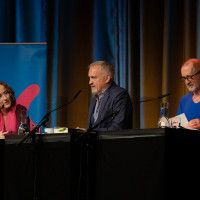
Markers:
point(27, 96)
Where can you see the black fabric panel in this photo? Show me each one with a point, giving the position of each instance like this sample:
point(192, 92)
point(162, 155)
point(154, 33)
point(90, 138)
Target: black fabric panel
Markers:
point(52, 171)
point(2, 143)
point(130, 169)
point(182, 164)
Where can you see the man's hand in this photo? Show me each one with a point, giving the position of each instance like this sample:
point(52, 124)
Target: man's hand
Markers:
point(194, 123)
point(82, 129)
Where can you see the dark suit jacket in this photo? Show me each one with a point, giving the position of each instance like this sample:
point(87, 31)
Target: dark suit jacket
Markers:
point(115, 98)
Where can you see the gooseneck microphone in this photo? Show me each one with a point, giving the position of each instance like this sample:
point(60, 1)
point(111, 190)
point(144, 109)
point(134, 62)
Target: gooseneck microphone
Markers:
point(47, 115)
point(160, 97)
point(45, 119)
point(113, 115)
point(76, 95)
point(164, 95)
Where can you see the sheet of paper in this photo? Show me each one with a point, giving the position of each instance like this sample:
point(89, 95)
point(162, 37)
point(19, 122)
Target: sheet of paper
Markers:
point(182, 117)
point(183, 121)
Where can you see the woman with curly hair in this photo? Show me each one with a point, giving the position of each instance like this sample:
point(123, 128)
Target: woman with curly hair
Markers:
point(10, 112)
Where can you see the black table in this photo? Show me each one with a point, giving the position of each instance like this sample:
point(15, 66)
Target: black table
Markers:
point(139, 164)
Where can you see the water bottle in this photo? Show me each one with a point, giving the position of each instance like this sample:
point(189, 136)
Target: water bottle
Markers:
point(25, 124)
point(163, 121)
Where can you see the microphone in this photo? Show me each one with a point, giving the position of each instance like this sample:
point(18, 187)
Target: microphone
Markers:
point(160, 97)
point(2, 106)
point(76, 95)
point(45, 119)
point(113, 115)
point(46, 116)
point(164, 95)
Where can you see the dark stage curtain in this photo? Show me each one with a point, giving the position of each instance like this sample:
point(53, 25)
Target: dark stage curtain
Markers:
point(147, 41)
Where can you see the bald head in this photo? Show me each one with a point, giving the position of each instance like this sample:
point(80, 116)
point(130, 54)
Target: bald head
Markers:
point(189, 72)
point(192, 64)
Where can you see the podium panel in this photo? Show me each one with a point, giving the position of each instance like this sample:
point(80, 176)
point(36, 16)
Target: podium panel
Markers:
point(51, 170)
point(149, 164)
point(130, 168)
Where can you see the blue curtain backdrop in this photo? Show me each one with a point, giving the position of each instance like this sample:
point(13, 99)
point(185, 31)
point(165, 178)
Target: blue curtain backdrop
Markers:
point(111, 37)
point(147, 41)
point(23, 21)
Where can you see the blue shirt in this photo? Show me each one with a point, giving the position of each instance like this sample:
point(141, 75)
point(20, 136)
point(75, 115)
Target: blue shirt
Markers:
point(97, 107)
point(98, 104)
point(187, 106)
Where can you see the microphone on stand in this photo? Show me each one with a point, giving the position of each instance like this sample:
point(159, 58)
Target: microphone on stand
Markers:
point(47, 115)
point(113, 115)
point(45, 119)
point(160, 97)
point(164, 95)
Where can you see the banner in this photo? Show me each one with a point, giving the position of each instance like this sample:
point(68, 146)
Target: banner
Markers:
point(23, 67)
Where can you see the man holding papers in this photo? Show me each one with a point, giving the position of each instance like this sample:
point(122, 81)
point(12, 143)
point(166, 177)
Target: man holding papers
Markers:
point(190, 103)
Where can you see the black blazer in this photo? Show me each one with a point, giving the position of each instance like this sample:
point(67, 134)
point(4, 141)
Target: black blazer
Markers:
point(115, 98)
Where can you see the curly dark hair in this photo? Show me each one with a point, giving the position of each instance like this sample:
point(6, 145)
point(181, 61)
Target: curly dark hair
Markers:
point(10, 91)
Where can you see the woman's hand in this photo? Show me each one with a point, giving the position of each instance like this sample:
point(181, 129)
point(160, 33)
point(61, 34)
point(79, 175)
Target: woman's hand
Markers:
point(2, 134)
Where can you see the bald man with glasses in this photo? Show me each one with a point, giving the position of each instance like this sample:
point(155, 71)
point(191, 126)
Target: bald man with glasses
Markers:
point(190, 103)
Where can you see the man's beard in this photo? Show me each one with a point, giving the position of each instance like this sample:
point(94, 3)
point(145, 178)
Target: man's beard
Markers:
point(94, 92)
point(194, 87)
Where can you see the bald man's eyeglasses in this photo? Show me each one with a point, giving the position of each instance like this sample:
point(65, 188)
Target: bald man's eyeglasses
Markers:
point(189, 78)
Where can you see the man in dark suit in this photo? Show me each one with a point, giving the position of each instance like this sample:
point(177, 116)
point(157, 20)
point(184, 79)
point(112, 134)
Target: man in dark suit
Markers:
point(108, 99)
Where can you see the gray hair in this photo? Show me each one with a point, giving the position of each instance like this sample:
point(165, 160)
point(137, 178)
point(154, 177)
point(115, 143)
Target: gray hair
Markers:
point(106, 66)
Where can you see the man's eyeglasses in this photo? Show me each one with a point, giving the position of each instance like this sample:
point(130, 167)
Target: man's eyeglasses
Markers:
point(189, 78)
